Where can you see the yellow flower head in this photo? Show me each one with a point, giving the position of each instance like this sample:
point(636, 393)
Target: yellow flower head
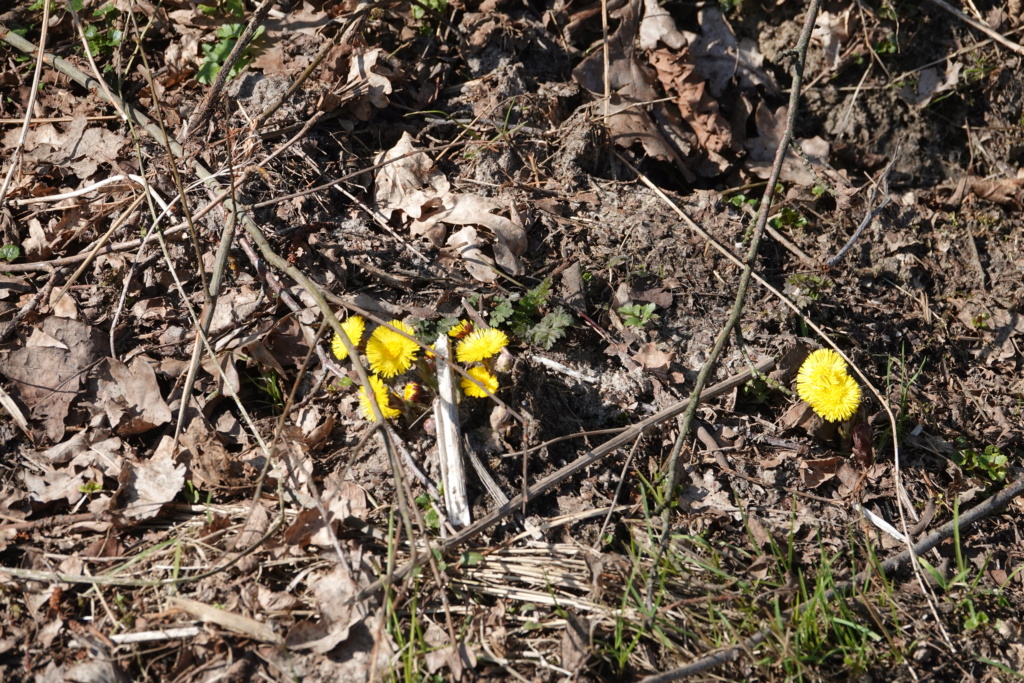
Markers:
point(353, 328)
point(412, 392)
point(824, 383)
point(482, 343)
point(388, 352)
point(461, 330)
point(482, 375)
point(380, 392)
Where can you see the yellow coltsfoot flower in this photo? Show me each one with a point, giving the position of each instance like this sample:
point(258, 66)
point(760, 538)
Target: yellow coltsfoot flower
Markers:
point(826, 385)
point(480, 344)
point(412, 392)
point(482, 375)
point(388, 352)
point(380, 393)
point(353, 328)
point(461, 330)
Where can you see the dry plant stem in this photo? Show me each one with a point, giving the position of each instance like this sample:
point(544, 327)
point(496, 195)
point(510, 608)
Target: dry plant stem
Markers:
point(620, 441)
point(355, 20)
point(975, 514)
point(901, 493)
point(173, 151)
point(871, 214)
point(278, 430)
point(112, 249)
point(99, 244)
point(618, 491)
point(205, 109)
point(607, 77)
point(748, 265)
point(254, 232)
point(213, 295)
point(16, 155)
point(987, 30)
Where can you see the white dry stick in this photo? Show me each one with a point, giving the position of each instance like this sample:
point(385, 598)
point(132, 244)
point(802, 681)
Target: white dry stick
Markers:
point(881, 523)
point(446, 417)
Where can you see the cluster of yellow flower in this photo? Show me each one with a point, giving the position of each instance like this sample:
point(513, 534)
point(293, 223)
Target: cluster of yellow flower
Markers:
point(824, 383)
point(392, 352)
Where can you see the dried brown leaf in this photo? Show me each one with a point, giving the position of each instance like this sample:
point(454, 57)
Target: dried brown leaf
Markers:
point(47, 370)
point(410, 183)
point(146, 485)
point(130, 396)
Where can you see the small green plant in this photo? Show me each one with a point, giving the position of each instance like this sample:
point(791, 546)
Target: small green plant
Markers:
point(420, 10)
point(991, 463)
point(805, 288)
point(229, 8)
point(214, 55)
point(519, 312)
point(193, 495)
point(267, 382)
point(886, 46)
point(101, 35)
point(905, 382)
point(739, 201)
point(964, 583)
point(90, 487)
point(430, 515)
point(10, 252)
point(637, 315)
point(788, 218)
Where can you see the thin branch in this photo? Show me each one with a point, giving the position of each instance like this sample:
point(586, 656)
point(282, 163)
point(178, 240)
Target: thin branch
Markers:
point(672, 476)
point(204, 111)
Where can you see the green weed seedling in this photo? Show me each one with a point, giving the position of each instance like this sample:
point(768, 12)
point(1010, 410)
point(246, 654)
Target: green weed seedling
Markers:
point(905, 384)
point(268, 384)
point(519, 312)
point(963, 585)
point(430, 515)
point(420, 12)
point(214, 55)
point(990, 463)
point(10, 252)
point(637, 315)
point(101, 35)
point(788, 218)
point(228, 8)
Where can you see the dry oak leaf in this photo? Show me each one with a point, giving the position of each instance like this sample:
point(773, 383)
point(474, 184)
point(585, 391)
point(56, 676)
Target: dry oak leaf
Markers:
point(371, 79)
point(474, 210)
point(410, 183)
point(47, 369)
point(146, 485)
point(130, 396)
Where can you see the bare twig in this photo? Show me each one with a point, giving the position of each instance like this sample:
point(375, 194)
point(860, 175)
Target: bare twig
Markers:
point(671, 478)
point(607, 448)
point(987, 30)
point(9, 326)
point(205, 109)
point(871, 214)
